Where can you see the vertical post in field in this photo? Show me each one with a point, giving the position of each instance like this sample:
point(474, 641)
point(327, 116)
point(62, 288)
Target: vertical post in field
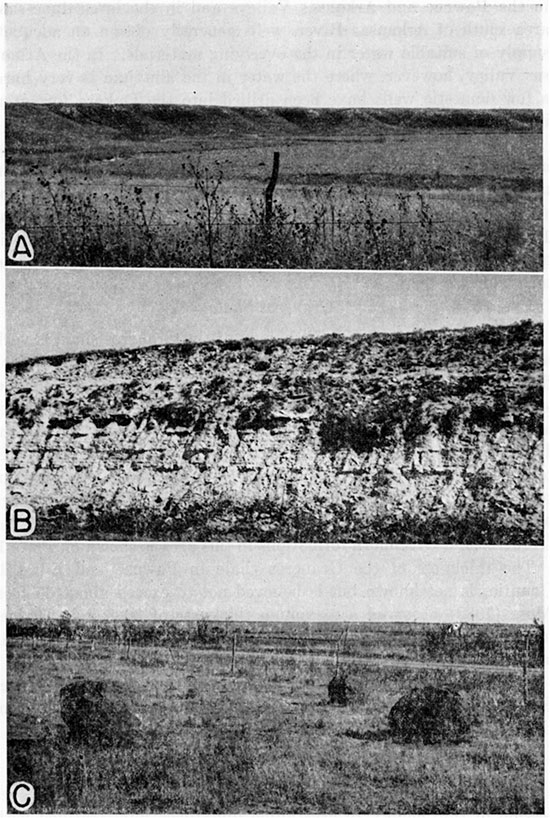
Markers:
point(525, 669)
point(271, 187)
point(345, 637)
point(233, 652)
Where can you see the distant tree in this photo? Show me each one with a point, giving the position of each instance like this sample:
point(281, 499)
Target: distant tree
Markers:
point(66, 627)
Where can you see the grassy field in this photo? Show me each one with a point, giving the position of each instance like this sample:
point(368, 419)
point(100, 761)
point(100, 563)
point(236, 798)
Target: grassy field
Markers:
point(370, 190)
point(265, 740)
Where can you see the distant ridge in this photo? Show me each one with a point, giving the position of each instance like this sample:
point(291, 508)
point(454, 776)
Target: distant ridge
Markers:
point(45, 125)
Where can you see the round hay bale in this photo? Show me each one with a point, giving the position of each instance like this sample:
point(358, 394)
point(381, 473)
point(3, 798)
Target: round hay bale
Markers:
point(432, 715)
point(97, 712)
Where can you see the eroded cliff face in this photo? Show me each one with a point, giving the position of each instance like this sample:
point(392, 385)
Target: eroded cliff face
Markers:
point(424, 424)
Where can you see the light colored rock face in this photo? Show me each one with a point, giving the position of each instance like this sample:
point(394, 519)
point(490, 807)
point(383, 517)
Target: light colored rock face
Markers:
point(100, 432)
point(130, 466)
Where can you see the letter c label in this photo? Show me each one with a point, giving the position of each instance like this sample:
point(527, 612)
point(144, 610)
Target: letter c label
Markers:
point(21, 796)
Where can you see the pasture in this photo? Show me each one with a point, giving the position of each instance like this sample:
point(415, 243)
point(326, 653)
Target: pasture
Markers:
point(263, 738)
point(397, 194)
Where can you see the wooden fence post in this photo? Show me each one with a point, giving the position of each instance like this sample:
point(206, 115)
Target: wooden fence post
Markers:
point(345, 639)
point(271, 187)
point(233, 652)
point(525, 669)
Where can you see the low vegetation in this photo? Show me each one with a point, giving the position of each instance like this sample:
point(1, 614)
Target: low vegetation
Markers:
point(265, 740)
point(269, 521)
point(406, 232)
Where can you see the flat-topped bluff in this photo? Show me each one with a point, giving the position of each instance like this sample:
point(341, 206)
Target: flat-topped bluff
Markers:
point(49, 125)
point(433, 435)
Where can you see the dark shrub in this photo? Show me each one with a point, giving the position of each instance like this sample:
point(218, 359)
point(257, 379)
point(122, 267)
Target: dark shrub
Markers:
point(430, 715)
point(450, 421)
point(257, 415)
point(97, 712)
point(177, 414)
point(339, 689)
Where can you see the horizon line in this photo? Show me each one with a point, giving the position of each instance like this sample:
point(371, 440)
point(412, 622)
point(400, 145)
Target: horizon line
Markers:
point(231, 620)
point(283, 107)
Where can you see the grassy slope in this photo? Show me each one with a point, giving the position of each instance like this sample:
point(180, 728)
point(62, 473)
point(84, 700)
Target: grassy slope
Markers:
point(51, 127)
point(265, 740)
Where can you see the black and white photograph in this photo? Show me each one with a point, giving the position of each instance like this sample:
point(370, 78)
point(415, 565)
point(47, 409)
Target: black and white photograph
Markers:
point(273, 438)
point(275, 679)
point(275, 406)
point(275, 135)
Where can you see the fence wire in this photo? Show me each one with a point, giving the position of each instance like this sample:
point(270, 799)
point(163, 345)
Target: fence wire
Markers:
point(478, 645)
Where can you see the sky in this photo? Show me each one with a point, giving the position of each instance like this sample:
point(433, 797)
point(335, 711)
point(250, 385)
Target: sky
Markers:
point(275, 582)
point(281, 54)
point(60, 311)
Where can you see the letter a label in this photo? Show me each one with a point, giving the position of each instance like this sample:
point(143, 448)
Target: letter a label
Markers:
point(20, 247)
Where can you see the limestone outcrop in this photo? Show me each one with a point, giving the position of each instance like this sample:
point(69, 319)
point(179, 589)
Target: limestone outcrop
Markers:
point(419, 424)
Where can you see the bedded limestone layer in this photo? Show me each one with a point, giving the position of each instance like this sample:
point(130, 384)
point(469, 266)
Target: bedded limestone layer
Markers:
point(130, 465)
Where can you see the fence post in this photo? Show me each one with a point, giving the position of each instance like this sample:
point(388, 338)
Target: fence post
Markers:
point(345, 639)
point(233, 651)
point(337, 661)
point(525, 669)
point(271, 187)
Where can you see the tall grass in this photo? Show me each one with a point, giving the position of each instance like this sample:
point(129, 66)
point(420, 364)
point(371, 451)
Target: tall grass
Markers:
point(265, 741)
point(70, 226)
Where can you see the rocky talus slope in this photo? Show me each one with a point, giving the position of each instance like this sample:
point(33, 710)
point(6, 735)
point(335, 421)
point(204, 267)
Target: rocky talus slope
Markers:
point(233, 439)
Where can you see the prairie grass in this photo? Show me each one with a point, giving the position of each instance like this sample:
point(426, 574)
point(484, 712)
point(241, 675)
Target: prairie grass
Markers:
point(264, 740)
point(211, 222)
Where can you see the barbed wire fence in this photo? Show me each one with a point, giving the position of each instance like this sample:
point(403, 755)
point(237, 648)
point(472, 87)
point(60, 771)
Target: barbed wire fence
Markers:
point(520, 648)
point(79, 225)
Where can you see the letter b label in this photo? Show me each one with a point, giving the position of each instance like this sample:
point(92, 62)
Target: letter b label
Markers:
point(22, 521)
